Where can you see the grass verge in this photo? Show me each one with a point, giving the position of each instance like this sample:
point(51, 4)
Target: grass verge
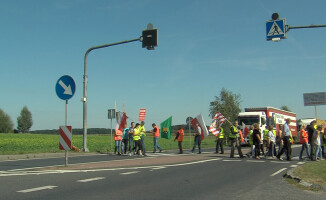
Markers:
point(46, 143)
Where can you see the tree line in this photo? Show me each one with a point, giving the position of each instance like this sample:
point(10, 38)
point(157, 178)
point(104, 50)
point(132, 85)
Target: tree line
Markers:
point(227, 103)
point(24, 122)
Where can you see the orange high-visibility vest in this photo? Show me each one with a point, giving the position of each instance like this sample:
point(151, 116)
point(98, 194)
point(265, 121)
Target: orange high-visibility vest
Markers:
point(181, 134)
point(241, 136)
point(303, 136)
point(157, 132)
point(118, 135)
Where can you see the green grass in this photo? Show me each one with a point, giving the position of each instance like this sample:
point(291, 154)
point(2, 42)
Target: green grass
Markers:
point(44, 143)
point(313, 172)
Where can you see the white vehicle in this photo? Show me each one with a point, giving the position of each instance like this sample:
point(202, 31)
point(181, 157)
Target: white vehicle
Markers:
point(267, 116)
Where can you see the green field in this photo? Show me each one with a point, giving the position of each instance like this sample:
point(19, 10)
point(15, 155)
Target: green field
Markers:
point(46, 143)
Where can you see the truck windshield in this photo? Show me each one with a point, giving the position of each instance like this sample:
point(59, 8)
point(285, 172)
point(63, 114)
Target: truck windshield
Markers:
point(248, 120)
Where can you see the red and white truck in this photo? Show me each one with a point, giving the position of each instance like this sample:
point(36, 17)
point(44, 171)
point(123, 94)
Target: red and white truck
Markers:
point(268, 116)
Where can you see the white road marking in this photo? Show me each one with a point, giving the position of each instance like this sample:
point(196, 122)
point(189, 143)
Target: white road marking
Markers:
point(294, 166)
point(231, 160)
point(301, 163)
point(49, 187)
point(127, 173)
point(256, 161)
point(90, 179)
point(281, 162)
point(279, 171)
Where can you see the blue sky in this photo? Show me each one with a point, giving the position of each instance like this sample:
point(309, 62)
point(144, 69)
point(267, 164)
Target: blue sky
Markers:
point(203, 47)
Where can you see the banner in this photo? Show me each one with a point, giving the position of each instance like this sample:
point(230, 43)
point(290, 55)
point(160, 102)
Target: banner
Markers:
point(121, 121)
point(200, 120)
point(142, 113)
point(166, 128)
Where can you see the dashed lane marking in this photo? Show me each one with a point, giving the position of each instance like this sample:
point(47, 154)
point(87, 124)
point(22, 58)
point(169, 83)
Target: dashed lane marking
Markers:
point(127, 173)
point(279, 171)
point(49, 187)
point(90, 179)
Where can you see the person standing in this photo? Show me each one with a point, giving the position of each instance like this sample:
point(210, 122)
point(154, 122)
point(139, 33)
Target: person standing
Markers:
point(256, 138)
point(265, 140)
point(143, 134)
point(125, 139)
point(286, 133)
point(271, 142)
point(311, 129)
point(179, 137)
point(317, 142)
point(117, 139)
point(156, 136)
point(250, 141)
point(219, 139)
point(235, 140)
point(137, 140)
point(304, 141)
point(197, 139)
point(131, 138)
point(279, 142)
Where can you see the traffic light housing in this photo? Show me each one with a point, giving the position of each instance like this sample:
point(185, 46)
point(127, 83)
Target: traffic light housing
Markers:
point(149, 39)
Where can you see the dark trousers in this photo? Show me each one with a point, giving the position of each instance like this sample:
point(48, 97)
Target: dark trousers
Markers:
point(219, 143)
point(180, 147)
point(197, 142)
point(304, 146)
point(286, 148)
point(125, 143)
point(312, 150)
point(235, 143)
point(257, 149)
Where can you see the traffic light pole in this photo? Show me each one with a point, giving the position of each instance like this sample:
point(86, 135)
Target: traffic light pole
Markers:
point(298, 27)
point(84, 99)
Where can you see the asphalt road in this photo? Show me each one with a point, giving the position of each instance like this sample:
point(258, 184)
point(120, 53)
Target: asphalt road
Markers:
point(205, 176)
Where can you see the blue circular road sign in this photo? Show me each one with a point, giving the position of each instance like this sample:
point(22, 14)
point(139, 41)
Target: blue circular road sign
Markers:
point(65, 87)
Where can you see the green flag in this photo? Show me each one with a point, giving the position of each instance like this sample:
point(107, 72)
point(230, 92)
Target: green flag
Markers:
point(166, 128)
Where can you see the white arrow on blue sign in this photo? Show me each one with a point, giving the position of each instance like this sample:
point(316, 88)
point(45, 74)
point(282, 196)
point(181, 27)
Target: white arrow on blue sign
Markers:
point(65, 87)
point(275, 29)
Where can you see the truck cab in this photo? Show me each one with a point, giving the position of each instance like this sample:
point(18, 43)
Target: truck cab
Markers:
point(249, 118)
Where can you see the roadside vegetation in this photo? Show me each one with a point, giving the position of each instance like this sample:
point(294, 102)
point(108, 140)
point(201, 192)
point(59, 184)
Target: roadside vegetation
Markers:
point(313, 172)
point(49, 143)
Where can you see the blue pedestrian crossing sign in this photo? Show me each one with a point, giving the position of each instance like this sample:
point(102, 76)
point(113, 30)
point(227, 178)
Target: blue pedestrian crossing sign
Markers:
point(275, 29)
point(65, 87)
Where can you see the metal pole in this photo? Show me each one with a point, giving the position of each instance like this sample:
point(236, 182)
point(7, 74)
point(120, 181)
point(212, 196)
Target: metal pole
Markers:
point(189, 135)
point(66, 122)
point(111, 137)
point(316, 112)
point(84, 99)
point(311, 26)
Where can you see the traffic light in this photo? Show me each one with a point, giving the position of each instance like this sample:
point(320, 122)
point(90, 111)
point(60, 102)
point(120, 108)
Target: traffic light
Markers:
point(149, 39)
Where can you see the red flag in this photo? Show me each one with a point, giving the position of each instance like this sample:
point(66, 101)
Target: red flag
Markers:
point(199, 119)
point(219, 117)
point(142, 113)
point(245, 130)
point(121, 121)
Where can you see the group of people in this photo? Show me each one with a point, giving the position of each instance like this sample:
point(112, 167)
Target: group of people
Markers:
point(133, 139)
point(313, 136)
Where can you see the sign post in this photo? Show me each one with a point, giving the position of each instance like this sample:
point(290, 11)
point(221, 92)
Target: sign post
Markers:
point(188, 120)
point(314, 99)
point(111, 115)
point(65, 89)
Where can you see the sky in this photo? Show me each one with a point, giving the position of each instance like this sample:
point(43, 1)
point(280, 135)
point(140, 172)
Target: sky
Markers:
point(203, 46)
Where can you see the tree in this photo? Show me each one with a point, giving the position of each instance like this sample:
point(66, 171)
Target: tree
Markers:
point(24, 121)
point(6, 125)
point(286, 108)
point(228, 104)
